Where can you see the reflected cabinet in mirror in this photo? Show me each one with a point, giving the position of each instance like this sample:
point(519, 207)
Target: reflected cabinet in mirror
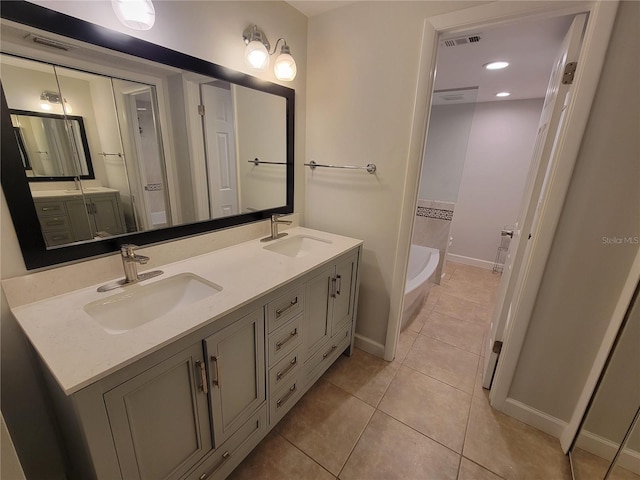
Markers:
point(107, 139)
point(608, 442)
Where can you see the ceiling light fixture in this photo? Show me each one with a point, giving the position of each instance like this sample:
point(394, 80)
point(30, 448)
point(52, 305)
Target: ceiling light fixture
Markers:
point(503, 94)
point(135, 14)
point(496, 65)
point(257, 54)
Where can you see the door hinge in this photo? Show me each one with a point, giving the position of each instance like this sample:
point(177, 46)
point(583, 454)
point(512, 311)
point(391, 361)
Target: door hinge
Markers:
point(201, 110)
point(497, 347)
point(569, 72)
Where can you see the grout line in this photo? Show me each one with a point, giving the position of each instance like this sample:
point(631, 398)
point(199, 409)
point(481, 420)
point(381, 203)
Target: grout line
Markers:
point(356, 442)
point(305, 454)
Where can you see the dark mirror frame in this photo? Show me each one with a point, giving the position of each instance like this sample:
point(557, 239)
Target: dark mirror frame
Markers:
point(12, 174)
point(83, 139)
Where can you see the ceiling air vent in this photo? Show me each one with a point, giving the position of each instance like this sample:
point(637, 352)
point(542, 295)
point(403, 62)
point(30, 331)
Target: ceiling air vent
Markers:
point(455, 42)
point(48, 42)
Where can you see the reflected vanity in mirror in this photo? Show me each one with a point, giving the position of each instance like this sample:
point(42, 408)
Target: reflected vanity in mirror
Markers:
point(107, 139)
point(607, 446)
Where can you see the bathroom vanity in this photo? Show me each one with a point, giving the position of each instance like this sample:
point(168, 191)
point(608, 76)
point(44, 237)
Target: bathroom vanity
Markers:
point(187, 386)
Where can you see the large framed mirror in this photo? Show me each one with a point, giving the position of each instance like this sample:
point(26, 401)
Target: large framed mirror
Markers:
point(150, 144)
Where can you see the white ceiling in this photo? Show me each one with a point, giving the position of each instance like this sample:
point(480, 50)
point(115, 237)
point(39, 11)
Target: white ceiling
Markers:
point(529, 47)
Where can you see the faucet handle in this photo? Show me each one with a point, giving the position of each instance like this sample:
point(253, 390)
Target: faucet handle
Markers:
point(127, 249)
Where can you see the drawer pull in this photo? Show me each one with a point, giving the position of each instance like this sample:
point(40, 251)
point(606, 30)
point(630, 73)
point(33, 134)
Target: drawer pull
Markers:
point(292, 364)
point(216, 379)
point(203, 377)
point(293, 303)
point(225, 456)
point(49, 209)
point(60, 237)
point(328, 352)
point(55, 222)
point(282, 343)
point(284, 399)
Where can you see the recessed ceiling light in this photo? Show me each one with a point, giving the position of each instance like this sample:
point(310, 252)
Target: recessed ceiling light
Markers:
point(496, 65)
point(503, 94)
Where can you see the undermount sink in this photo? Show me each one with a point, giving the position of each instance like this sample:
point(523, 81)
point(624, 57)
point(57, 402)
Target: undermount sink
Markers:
point(142, 304)
point(297, 245)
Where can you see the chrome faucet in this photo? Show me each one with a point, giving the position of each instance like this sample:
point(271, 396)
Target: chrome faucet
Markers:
point(275, 220)
point(130, 261)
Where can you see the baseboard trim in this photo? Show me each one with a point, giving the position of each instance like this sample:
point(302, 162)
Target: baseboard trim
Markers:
point(369, 346)
point(475, 262)
point(605, 448)
point(535, 418)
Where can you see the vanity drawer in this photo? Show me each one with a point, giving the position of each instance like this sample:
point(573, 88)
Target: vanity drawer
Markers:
point(57, 237)
point(52, 207)
point(285, 369)
point(286, 398)
point(54, 222)
point(317, 364)
point(284, 308)
point(284, 340)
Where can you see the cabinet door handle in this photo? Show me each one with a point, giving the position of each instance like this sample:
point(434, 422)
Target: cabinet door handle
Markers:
point(224, 458)
point(339, 284)
point(282, 373)
point(203, 377)
point(333, 287)
point(216, 379)
point(328, 352)
point(284, 399)
point(293, 303)
point(293, 333)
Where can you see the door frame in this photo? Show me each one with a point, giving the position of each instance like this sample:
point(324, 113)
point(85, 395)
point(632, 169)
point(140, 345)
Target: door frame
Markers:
point(592, 55)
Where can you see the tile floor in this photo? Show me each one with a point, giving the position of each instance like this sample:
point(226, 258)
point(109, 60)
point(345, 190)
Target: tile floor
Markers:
point(423, 416)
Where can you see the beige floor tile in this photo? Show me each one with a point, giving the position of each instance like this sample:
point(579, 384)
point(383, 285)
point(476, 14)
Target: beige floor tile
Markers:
point(276, 459)
point(363, 375)
point(479, 292)
point(443, 362)
point(472, 471)
point(420, 319)
point(459, 333)
point(475, 274)
point(405, 342)
point(326, 424)
point(591, 467)
point(463, 309)
point(429, 406)
point(478, 391)
point(390, 450)
point(434, 294)
point(510, 448)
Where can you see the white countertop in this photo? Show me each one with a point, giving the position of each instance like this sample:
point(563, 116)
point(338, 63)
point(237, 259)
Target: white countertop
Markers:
point(71, 192)
point(78, 351)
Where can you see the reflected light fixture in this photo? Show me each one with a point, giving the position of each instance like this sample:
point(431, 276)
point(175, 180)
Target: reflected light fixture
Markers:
point(257, 54)
point(135, 14)
point(48, 98)
point(499, 65)
point(503, 94)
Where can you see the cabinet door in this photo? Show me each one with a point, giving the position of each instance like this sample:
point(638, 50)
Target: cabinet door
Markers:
point(316, 329)
point(236, 373)
point(160, 418)
point(343, 293)
point(81, 223)
point(107, 214)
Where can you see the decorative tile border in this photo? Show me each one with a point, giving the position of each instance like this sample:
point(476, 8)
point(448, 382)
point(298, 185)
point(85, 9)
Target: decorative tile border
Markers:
point(435, 213)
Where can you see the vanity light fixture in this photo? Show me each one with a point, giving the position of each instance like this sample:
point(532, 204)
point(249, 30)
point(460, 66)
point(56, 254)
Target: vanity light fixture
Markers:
point(257, 53)
point(135, 14)
point(503, 94)
point(499, 65)
point(52, 98)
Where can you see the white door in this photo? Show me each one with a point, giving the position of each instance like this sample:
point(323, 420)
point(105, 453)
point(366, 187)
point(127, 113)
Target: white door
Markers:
point(220, 149)
point(542, 158)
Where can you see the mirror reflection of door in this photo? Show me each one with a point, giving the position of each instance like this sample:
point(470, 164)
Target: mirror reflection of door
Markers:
point(218, 124)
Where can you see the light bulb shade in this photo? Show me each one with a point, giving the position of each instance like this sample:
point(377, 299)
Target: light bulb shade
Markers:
point(285, 67)
point(135, 14)
point(256, 55)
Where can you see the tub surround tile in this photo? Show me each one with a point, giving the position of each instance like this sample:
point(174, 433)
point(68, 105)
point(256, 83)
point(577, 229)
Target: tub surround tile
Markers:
point(421, 318)
point(459, 333)
point(443, 362)
point(277, 459)
point(510, 448)
point(473, 471)
point(363, 375)
point(391, 450)
point(429, 406)
point(326, 424)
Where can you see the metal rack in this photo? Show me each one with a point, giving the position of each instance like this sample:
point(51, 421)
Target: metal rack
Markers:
point(506, 234)
point(370, 167)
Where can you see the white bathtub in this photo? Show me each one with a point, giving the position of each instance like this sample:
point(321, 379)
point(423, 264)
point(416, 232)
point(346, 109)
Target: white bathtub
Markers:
point(423, 262)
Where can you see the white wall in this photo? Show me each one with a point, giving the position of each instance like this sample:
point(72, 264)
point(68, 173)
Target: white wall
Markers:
point(445, 151)
point(209, 30)
point(495, 172)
